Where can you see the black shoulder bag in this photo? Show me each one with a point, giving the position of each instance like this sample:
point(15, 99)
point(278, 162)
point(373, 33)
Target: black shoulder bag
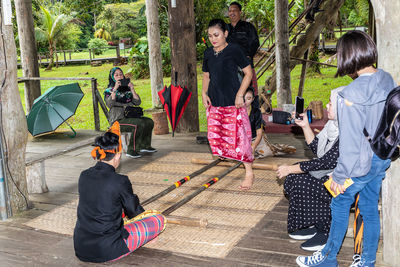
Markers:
point(133, 112)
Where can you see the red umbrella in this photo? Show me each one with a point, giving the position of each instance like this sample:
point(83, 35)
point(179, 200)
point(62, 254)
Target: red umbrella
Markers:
point(174, 99)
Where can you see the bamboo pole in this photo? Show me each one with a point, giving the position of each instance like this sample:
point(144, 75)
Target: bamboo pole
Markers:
point(199, 190)
point(181, 182)
point(187, 221)
point(261, 166)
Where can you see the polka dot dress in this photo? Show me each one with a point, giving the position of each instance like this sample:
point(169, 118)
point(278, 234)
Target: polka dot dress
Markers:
point(309, 201)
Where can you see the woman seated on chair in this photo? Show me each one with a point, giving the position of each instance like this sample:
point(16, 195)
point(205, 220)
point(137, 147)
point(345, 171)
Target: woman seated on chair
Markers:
point(100, 234)
point(119, 96)
point(309, 215)
point(260, 145)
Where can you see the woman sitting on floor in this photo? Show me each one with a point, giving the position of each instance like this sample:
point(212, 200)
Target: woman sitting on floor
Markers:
point(118, 97)
point(100, 234)
point(309, 215)
point(260, 145)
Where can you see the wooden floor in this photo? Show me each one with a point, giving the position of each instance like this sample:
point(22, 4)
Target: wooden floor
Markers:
point(267, 244)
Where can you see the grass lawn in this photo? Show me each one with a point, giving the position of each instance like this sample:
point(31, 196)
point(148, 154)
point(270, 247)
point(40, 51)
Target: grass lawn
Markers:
point(317, 87)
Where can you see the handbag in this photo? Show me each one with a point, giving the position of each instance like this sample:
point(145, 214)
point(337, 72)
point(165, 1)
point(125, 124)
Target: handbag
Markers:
point(281, 117)
point(133, 112)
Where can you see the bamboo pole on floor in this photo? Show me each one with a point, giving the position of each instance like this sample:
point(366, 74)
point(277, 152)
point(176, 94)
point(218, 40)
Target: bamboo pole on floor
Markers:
point(180, 182)
point(261, 166)
point(199, 190)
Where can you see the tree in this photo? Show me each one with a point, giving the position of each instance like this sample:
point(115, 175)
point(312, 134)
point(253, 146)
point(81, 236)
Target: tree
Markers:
point(155, 58)
point(102, 33)
point(183, 58)
point(330, 8)
point(284, 94)
point(51, 28)
point(14, 132)
point(29, 56)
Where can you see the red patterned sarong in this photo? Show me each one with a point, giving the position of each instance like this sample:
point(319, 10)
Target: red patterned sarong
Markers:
point(229, 133)
point(142, 231)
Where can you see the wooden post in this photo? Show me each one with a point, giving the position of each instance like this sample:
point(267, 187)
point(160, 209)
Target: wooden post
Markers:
point(388, 58)
point(183, 58)
point(29, 55)
point(303, 75)
point(118, 52)
point(284, 95)
point(95, 106)
point(12, 116)
point(155, 58)
point(102, 105)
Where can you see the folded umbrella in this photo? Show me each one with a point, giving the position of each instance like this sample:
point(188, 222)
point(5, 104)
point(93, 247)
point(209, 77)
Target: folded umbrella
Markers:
point(53, 108)
point(174, 99)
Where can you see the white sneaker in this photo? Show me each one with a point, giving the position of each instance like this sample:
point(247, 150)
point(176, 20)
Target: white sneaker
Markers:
point(135, 156)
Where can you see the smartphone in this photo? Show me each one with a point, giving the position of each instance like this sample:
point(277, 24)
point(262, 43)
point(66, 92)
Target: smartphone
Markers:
point(299, 107)
point(125, 81)
point(124, 85)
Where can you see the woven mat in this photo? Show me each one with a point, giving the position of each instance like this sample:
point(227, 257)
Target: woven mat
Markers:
point(230, 212)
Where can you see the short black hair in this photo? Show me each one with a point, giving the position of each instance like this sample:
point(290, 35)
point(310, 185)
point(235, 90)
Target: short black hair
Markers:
point(218, 23)
point(237, 4)
point(355, 50)
point(108, 141)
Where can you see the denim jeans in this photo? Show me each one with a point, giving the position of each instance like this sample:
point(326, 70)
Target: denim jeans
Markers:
point(369, 187)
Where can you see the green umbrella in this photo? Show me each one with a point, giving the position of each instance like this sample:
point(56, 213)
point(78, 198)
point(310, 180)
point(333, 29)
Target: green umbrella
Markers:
point(53, 108)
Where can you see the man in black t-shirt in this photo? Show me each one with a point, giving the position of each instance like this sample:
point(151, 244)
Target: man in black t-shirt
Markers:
point(242, 32)
point(245, 35)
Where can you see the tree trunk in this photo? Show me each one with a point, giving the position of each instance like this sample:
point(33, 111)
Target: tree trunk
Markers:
point(13, 121)
point(51, 56)
point(387, 29)
point(155, 57)
point(284, 95)
point(314, 56)
point(29, 56)
point(330, 8)
point(183, 58)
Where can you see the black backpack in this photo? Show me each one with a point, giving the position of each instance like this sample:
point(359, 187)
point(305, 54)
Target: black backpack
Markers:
point(386, 140)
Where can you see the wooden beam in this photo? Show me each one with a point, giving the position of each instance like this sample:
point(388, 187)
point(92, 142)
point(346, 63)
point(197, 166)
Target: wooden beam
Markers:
point(95, 106)
point(282, 57)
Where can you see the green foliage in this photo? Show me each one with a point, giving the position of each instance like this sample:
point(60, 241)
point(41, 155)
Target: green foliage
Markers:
point(70, 37)
point(98, 45)
point(139, 58)
point(355, 12)
point(200, 48)
point(124, 21)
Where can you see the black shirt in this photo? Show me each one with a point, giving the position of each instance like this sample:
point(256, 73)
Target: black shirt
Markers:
point(99, 232)
point(255, 118)
point(223, 70)
point(245, 35)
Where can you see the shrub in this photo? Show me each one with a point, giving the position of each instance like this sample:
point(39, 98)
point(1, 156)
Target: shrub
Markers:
point(97, 45)
point(139, 58)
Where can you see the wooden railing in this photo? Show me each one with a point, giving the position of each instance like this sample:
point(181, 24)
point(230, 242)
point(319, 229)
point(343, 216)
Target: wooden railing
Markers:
point(96, 97)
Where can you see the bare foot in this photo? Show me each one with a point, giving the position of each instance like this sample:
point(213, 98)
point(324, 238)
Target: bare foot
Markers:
point(247, 182)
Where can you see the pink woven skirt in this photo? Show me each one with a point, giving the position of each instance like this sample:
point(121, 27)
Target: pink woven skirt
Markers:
point(229, 133)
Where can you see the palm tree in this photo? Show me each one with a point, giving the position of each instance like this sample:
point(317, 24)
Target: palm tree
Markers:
point(52, 28)
point(102, 33)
